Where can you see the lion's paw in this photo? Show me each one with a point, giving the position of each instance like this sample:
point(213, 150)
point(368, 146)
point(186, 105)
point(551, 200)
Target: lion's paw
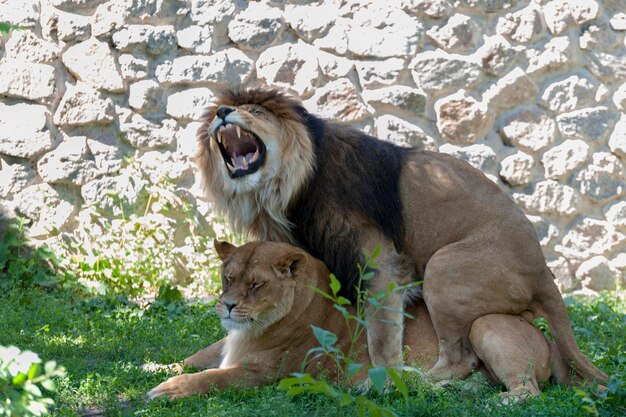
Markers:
point(176, 387)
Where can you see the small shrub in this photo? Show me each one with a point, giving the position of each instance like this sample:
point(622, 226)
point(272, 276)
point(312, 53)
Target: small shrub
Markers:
point(346, 366)
point(24, 383)
point(23, 264)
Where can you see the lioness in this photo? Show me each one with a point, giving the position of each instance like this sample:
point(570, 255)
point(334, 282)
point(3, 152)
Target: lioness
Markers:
point(268, 306)
point(283, 174)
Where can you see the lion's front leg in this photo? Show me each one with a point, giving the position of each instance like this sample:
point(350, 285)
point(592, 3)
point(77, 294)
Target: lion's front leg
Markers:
point(385, 324)
point(202, 382)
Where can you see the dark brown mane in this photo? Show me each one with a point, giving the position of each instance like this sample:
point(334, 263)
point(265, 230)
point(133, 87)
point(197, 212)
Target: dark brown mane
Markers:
point(279, 104)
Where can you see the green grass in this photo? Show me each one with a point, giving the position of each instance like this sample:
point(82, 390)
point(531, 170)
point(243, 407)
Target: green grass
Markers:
point(103, 341)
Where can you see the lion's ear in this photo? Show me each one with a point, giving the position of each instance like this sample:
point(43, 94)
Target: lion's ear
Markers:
point(223, 249)
point(289, 264)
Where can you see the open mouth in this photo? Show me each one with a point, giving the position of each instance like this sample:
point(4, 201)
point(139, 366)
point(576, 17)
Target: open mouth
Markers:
point(242, 150)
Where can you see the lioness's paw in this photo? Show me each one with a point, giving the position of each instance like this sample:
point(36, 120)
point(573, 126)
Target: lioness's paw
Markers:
point(176, 387)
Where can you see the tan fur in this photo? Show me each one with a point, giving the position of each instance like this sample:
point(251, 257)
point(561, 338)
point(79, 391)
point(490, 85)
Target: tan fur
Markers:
point(475, 251)
point(283, 309)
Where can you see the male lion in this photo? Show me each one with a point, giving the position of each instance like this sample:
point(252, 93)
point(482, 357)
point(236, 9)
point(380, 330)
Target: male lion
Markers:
point(268, 306)
point(284, 174)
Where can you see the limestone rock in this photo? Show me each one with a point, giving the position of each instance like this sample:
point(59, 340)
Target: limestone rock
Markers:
point(128, 189)
point(70, 163)
point(546, 231)
point(256, 27)
point(230, 67)
point(617, 141)
point(336, 40)
point(195, 38)
point(71, 27)
point(107, 151)
point(560, 15)
point(589, 237)
point(597, 274)
point(187, 142)
point(24, 130)
point(603, 179)
point(189, 104)
point(528, 128)
point(334, 66)
point(522, 26)
point(93, 62)
point(435, 71)
point(108, 17)
point(562, 274)
point(431, 8)
point(155, 40)
point(619, 98)
point(20, 12)
point(14, 177)
point(160, 164)
point(618, 22)
point(72, 4)
point(214, 11)
point(563, 159)
point(550, 197)
point(461, 119)
point(48, 207)
point(616, 214)
point(458, 34)
point(497, 55)
point(25, 46)
point(374, 74)
point(133, 67)
point(514, 89)
point(571, 93)
point(380, 30)
point(555, 54)
point(292, 67)
point(486, 6)
point(607, 67)
point(339, 100)
point(82, 105)
point(598, 36)
point(408, 99)
point(144, 95)
point(144, 134)
point(479, 156)
point(402, 133)
point(593, 123)
point(27, 80)
point(517, 169)
point(311, 22)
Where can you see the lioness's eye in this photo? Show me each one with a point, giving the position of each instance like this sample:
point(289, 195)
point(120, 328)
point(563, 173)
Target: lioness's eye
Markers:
point(256, 285)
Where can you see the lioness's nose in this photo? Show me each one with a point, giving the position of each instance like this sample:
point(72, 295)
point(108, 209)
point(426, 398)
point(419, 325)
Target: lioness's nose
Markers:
point(223, 111)
point(230, 306)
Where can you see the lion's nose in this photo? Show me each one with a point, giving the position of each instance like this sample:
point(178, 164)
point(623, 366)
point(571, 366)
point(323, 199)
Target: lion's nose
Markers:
point(230, 306)
point(223, 111)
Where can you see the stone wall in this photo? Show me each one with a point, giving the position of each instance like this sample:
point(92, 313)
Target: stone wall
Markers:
point(531, 92)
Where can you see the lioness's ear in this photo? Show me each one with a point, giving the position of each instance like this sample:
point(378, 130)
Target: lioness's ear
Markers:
point(223, 249)
point(288, 264)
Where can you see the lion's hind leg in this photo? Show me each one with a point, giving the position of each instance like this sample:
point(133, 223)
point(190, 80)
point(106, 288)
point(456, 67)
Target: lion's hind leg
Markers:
point(514, 351)
point(463, 282)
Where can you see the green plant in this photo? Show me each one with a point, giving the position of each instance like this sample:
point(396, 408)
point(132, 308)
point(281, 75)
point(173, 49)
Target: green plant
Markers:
point(165, 243)
point(345, 363)
point(6, 28)
point(23, 264)
point(22, 379)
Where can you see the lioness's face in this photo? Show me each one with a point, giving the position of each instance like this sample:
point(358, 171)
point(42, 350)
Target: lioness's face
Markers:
point(258, 284)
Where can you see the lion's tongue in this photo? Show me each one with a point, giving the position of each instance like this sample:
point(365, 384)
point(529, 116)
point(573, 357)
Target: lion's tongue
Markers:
point(242, 162)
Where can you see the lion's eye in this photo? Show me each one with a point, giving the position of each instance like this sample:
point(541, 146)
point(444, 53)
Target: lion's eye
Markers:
point(256, 285)
point(256, 111)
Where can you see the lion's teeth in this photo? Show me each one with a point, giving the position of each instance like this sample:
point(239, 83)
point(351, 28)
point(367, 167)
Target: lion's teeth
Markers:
point(256, 155)
point(238, 131)
point(219, 137)
point(230, 166)
point(244, 163)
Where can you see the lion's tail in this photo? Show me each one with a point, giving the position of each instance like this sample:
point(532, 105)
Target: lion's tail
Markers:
point(550, 306)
